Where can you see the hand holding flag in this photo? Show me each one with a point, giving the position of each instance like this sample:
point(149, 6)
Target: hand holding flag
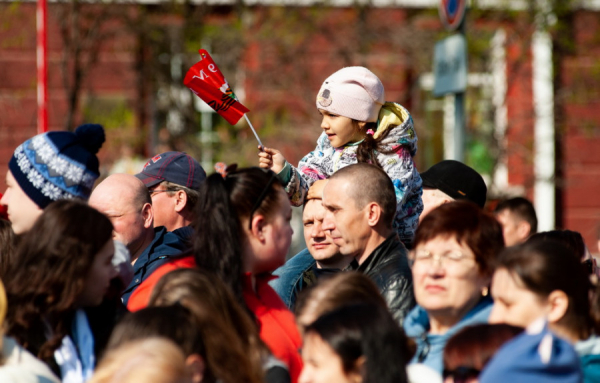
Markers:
point(207, 82)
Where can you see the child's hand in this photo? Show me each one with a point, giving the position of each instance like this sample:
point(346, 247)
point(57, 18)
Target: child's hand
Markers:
point(270, 159)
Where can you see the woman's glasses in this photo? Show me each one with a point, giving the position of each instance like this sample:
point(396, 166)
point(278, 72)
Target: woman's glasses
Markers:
point(155, 191)
point(428, 258)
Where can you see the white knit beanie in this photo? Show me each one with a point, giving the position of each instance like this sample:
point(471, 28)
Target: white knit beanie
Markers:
point(353, 92)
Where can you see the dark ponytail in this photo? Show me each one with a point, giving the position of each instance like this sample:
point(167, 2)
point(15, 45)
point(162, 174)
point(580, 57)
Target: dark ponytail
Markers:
point(369, 148)
point(223, 205)
point(217, 244)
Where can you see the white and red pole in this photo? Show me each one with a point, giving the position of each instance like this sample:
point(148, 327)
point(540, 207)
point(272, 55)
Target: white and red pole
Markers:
point(42, 70)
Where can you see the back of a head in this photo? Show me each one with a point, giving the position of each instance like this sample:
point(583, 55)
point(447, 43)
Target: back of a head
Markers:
point(522, 208)
point(234, 351)
point(473, 346)
point(456, 180)
point(370, 332)
point(159, 321)
point(545, 266)
point(152, 360)
point(535, 355)
point(226, 202)
point(467, 223)
point(370, 184)
point(571, 239)
point(329, 294)
point(204, 294)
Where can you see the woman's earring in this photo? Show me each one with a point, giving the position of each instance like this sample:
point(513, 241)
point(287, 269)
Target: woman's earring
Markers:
point(484, 292)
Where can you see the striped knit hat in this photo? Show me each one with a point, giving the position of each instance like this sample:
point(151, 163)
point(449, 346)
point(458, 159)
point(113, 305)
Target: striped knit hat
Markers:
point(58, 165)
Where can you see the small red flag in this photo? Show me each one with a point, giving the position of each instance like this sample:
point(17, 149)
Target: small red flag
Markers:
point(207, 82)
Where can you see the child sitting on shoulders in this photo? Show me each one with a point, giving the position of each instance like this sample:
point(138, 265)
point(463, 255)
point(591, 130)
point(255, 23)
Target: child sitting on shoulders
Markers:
point(358, 126)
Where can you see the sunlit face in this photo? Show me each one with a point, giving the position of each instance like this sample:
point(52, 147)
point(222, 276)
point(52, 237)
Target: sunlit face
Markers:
point(345, 222)
point(447, 288)
point(319, 242)
point(432, 198)
point(340, 130)
point(513, 303)
point(126, 217)
point(22, 211)
point(163, 206)
point(277, 233)
point(98, 278)
point(322, 364)
point(511, 231)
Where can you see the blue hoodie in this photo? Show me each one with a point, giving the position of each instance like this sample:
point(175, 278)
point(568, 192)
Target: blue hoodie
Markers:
point(589, 356)
point(162, 249)
point(430, 348)
point(537, 356)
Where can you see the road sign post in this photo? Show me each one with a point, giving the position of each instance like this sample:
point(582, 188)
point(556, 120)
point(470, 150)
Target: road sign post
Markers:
point(450, 68)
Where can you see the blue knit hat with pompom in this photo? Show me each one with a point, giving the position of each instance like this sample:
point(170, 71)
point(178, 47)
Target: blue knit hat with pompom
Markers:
point(58, 165)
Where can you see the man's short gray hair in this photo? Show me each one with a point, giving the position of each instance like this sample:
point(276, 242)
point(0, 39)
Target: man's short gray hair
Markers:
point(370, 184)
point(192, 195)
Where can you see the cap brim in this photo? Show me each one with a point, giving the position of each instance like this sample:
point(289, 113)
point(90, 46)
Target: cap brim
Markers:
point(428, 183)
point(439, 185)
point(148, 180)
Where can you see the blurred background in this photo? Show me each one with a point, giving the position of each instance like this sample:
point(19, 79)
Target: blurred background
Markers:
point(122, 63)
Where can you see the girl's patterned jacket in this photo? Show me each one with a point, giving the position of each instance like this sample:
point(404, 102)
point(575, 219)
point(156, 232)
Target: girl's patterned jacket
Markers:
point(401, 142)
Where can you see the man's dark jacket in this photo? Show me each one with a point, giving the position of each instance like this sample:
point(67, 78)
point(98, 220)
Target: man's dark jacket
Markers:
point(164, 246)
point(388, 267)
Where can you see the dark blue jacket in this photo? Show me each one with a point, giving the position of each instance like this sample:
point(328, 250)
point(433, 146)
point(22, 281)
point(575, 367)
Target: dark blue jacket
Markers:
point(298, 273)
point(164, 246)
point(290, 276)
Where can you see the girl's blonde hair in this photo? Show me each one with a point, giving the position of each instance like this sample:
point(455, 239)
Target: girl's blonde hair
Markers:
point(152, 360)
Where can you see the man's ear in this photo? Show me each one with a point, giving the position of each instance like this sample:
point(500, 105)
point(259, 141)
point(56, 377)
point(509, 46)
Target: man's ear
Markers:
point(148, 215)
point(524, 229)
point(373, 212)
point(196, 366)
point(558, 302)
point(180, 200)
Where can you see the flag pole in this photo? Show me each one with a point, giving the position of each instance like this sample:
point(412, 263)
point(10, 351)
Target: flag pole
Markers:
point(42, 62)
point(253, 131)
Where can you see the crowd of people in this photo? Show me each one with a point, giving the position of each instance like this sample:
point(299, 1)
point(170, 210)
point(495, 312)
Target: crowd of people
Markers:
point(176, 275)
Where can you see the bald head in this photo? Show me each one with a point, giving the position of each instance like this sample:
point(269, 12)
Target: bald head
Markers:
point(367, 183)
point(121, 187)
point(125, 200)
